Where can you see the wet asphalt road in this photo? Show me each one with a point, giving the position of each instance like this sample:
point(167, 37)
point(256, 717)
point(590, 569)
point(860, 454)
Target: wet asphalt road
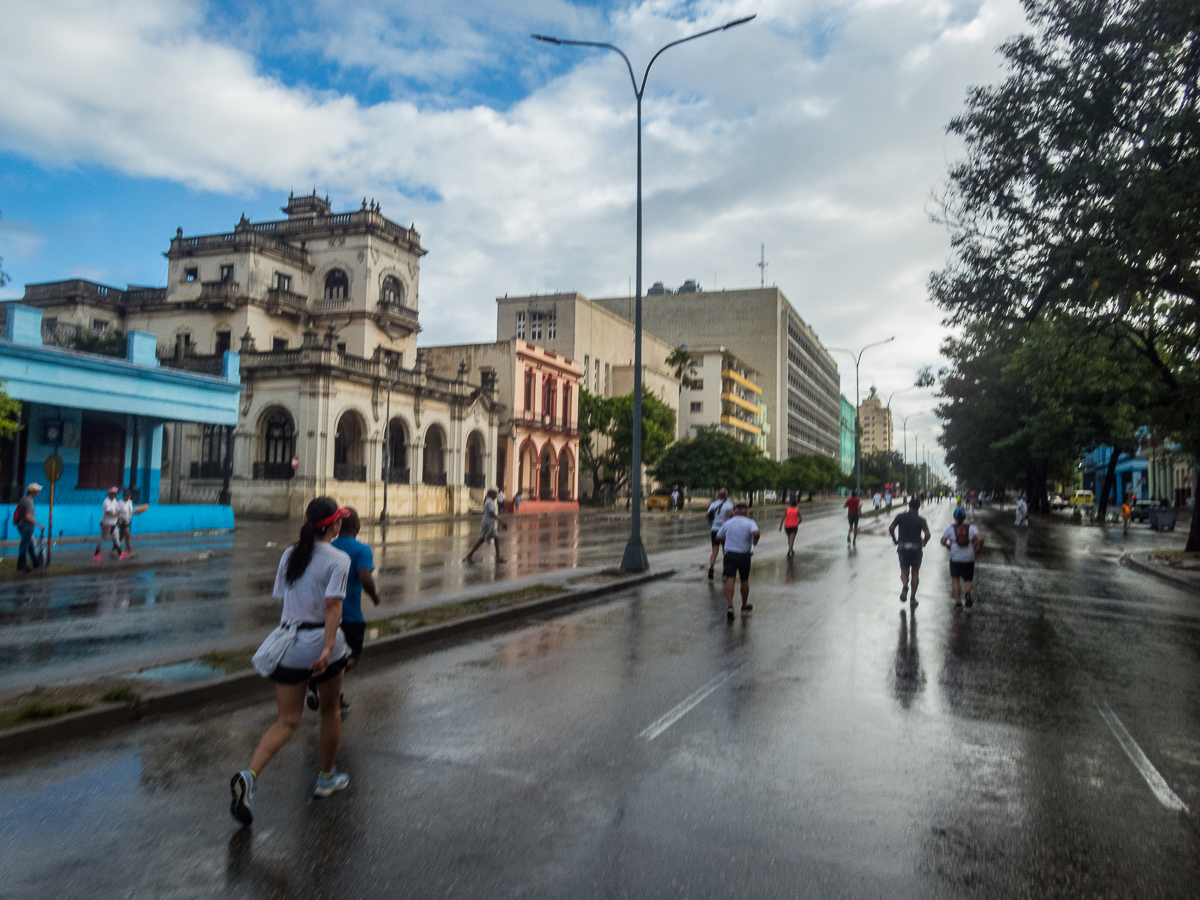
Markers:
point(116, 619)
point(830, 745)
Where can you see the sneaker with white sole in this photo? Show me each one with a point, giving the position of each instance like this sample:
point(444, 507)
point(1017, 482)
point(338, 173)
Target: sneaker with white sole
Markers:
point(904, 593)
point(242, 788)
point(336, 781)
point(312, 698)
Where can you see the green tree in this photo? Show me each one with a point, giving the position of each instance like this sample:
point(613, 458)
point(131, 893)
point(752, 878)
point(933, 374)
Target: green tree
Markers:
point(658, 431)
point(713, 459)
point(683, 365)
point(10, 415)
point(595, 416)
point(1080, 191)
point(807, 473)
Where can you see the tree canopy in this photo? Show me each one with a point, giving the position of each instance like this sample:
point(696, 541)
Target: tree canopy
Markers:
point(612, 418)
point(713, 459)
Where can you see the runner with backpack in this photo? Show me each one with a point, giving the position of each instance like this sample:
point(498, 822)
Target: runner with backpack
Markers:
point(963, 542)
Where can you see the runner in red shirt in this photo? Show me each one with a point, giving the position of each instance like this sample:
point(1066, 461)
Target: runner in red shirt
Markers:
point(791, 522)
point(853, 506)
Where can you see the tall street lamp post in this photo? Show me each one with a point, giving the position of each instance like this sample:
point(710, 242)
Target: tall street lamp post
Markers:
point(635, 551)
point(857, 402)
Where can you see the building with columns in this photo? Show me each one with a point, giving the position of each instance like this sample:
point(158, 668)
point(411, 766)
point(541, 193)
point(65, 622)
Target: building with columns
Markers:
point(322, 308)
point(538, 389)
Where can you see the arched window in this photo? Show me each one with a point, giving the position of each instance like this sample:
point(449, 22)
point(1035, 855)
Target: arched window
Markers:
point(396, 457)
point(566, 472)
point(347, 449)
point(434, 458)
point(475, 465)
point(392, 293)
point(546, 474)
point(337, 285)
point(278, 438)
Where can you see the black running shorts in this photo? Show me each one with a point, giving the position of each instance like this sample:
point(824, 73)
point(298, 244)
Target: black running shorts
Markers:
point(852, 519)
point(737, 564)
point(284, 675)
point(790, 530)
point(715, 542)
point(910, 559)
point(963, 570)
point(355, 632)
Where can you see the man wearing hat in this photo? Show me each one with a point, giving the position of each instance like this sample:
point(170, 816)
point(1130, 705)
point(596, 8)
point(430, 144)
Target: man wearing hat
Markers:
point(109, 518)
point(26, 522)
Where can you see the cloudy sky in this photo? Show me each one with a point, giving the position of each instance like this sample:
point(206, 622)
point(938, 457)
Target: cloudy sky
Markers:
point(817, 130)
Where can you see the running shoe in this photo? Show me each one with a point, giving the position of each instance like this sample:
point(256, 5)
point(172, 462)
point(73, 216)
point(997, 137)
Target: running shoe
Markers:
point(746, 607)
point(336, 781)
point(914, 602)
point(345, 708)
point(312, 698)
point(710, 573)
point(969, 602)
point(904, 593)
point(242, 788)
point(791, 553)
point(123, 555)
point(729, 613)
point(98, 557)
point(957, 605)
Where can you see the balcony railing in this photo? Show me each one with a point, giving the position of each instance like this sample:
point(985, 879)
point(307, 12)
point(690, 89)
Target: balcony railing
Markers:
point(208, 364)
point(434, 478)
point(398, 313)
point(264, 471)
point(349, 472)
point(290, 299)
point(397, 476)
point(212, 290)
point(331, 306)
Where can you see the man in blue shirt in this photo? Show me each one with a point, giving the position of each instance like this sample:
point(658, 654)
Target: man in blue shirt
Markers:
point(362, 578)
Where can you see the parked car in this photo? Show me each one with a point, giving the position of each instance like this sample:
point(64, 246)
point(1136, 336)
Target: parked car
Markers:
point(1083, 498)
point(659, 500)
point(1141, 511)
point(1059, 502)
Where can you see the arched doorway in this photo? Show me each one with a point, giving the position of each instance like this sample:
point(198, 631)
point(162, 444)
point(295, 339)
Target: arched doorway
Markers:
point(348, 464)
point(476, 474)
point(566, 474)
point(277, 437)
point(434, 456)
point(527, 471)
point(396, 453)
point(546, 479)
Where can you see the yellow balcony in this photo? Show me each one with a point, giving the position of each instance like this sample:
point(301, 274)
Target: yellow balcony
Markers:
point(744, 382)
point(738, 401)
point(738, 423)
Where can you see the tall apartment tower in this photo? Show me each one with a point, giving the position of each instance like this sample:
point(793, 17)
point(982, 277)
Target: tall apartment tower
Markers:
point(801, 390)
point(876, 422)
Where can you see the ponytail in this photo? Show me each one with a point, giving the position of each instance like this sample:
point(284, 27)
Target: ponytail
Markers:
point(302, 550)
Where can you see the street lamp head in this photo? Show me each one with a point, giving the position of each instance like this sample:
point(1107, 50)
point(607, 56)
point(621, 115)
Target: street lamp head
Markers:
point(737, 22)
point(546, 38)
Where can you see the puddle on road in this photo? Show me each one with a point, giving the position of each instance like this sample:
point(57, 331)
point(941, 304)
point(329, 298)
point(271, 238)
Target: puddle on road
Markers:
point(181, 673)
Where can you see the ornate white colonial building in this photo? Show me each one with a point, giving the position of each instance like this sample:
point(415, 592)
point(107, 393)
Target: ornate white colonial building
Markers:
point(321, 310)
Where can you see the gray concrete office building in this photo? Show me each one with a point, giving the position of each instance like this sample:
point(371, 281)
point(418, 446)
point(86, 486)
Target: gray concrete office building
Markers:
point(800, 382)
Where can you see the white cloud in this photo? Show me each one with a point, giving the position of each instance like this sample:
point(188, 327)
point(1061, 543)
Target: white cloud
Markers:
point(818, 129)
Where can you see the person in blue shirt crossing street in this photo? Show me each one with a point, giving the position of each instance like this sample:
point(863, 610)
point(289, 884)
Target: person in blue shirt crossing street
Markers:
point(362, 578)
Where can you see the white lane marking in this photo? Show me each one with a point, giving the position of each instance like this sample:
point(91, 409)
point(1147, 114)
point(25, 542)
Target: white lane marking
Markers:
point(661, 724)
point(1158, 784)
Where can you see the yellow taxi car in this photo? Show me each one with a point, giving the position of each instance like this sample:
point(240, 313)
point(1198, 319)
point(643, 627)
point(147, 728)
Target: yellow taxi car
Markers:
point(658, 501)
point(1083, 498)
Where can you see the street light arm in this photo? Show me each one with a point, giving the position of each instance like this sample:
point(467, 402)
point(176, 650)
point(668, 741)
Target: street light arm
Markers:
point(632, 78)
point(692, 37)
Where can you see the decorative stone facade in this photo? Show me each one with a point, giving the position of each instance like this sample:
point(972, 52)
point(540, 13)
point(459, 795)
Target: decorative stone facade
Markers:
point(322, 308)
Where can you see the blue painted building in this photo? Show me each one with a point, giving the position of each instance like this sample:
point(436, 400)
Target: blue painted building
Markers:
point(104, 417)
point(1132, 474)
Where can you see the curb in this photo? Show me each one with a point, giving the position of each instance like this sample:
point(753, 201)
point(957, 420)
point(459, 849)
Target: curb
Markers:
point(1139, 565)
point(109, 567)
point(87, 722)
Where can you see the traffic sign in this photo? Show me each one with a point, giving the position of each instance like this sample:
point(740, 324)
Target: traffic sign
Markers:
point(53, 468)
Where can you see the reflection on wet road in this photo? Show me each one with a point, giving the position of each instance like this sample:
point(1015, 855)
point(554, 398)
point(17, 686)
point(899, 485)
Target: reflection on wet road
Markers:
point(831, 744)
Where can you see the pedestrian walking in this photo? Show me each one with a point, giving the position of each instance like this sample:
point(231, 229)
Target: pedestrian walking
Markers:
point(1022, 512)
point(516, 502)
point(739, 536)
point(963, 541)
point(790, 522)
point(676, 499)
point(500, 500)
point(307, 646)
point(853, 508)
point(25, 518)
point(125, 522)
point(360, 579)
point(887, 502)
point(910, 544)
point(110, 516)
point(487, 531)
point(878, 498)
point(718, 514)
point(1126, 513)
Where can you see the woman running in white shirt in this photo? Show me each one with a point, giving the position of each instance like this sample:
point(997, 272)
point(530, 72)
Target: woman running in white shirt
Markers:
point(311, 582)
